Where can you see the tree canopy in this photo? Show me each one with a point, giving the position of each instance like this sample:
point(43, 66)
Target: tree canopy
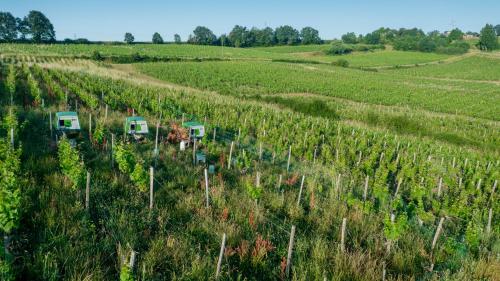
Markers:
point(287, 35)
point(455, 34)
point(157, 39)
point(310, 35)
point(488, 40)
point(129, 38)
point(177, 38)
point(39, 27)
point(8, 27)
point(202, 36)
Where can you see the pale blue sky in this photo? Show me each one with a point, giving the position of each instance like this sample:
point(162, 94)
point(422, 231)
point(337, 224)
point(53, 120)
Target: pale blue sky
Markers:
point(109, 20)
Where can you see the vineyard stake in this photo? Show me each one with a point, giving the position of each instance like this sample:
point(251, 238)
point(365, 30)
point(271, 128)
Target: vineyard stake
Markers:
point(290, 249)
point(132, 260)
point(206, 188)
point(230, 156)
point(342, 235)
point(112, 149)
point(221, 255)
point(156, 152)
point(398, 186)
point(106, 113)
point(439, 186)
point(279, 181)
point(494, 188)
point(288, 162)
point(194, 151)
point(438, 232)
point(151, 184)
point(300, 191)
point(12, 137)
point(215, 132)
point(314, 156)
point(479, 184)
point(365, 192)
point(87, 191)
point(490, 215)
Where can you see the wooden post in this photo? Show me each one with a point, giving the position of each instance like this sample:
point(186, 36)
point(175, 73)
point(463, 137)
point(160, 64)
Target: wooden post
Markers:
point(221, 255)
point(106, 113)
point(12, 137)
point(490, 215)
point(206, 188)
point(151, 185)
point(397, 187)
point(132, 260)
point(112, 149)
point(290, 250)
point(300, 191)
point(314, 156)
point(279, 181)
point(156, 152)
point(365, 192)
point(439, 186)
point(438, 232)
point(194, 151)
point(257, 179)
point(239, 134)
point(230, 156)
point(494, 188)
point(289, 156)
point(87, 191)
point(342, 235)
point(215, 132)
point(479, 184)
point(459, 183)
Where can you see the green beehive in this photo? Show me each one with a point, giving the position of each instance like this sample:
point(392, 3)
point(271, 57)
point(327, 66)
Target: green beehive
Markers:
point(196, 130)
point(136, 125)
point(67, 121)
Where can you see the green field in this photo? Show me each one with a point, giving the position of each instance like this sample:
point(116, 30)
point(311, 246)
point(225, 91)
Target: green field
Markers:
point(472, 68)
point(255, 78)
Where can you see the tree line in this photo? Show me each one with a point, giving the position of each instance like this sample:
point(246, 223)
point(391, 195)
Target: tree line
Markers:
point(415, 39)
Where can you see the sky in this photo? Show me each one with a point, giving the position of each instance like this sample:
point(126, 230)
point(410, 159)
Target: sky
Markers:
point(105, 20)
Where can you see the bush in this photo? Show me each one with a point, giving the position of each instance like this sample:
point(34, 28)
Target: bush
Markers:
point(455, 48)
point(341, 62)
point(97, 56)
point(339, 49)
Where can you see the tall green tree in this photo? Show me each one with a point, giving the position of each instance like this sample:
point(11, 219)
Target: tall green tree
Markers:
point(488, 40)
point(310, 35)
point(157, 39)
point(239, 36)
point(455, 34)
point(177, 39)
point(129, 38)
point(287, 35)
point(264, 37)
point(39, 27)
point(202, 36)
point(349, 38)
point(8, 27)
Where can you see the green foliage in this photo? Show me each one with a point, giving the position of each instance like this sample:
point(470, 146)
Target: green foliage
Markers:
point(8, 27)
point(455, 34)
point(70, 163)
point(310, 35)
point(157, 39)
point(287, 35)
point(39, 27)
point(338, 48)
point(126, 274)
point(129, 164)
point(10, 191)
point(393, 230)
point(128, 38)
point(202, 36)
point(177, 39)
point(488, 39)
point(350, 38)
point(253, 191)
point(96, 55)
point(341, 63)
